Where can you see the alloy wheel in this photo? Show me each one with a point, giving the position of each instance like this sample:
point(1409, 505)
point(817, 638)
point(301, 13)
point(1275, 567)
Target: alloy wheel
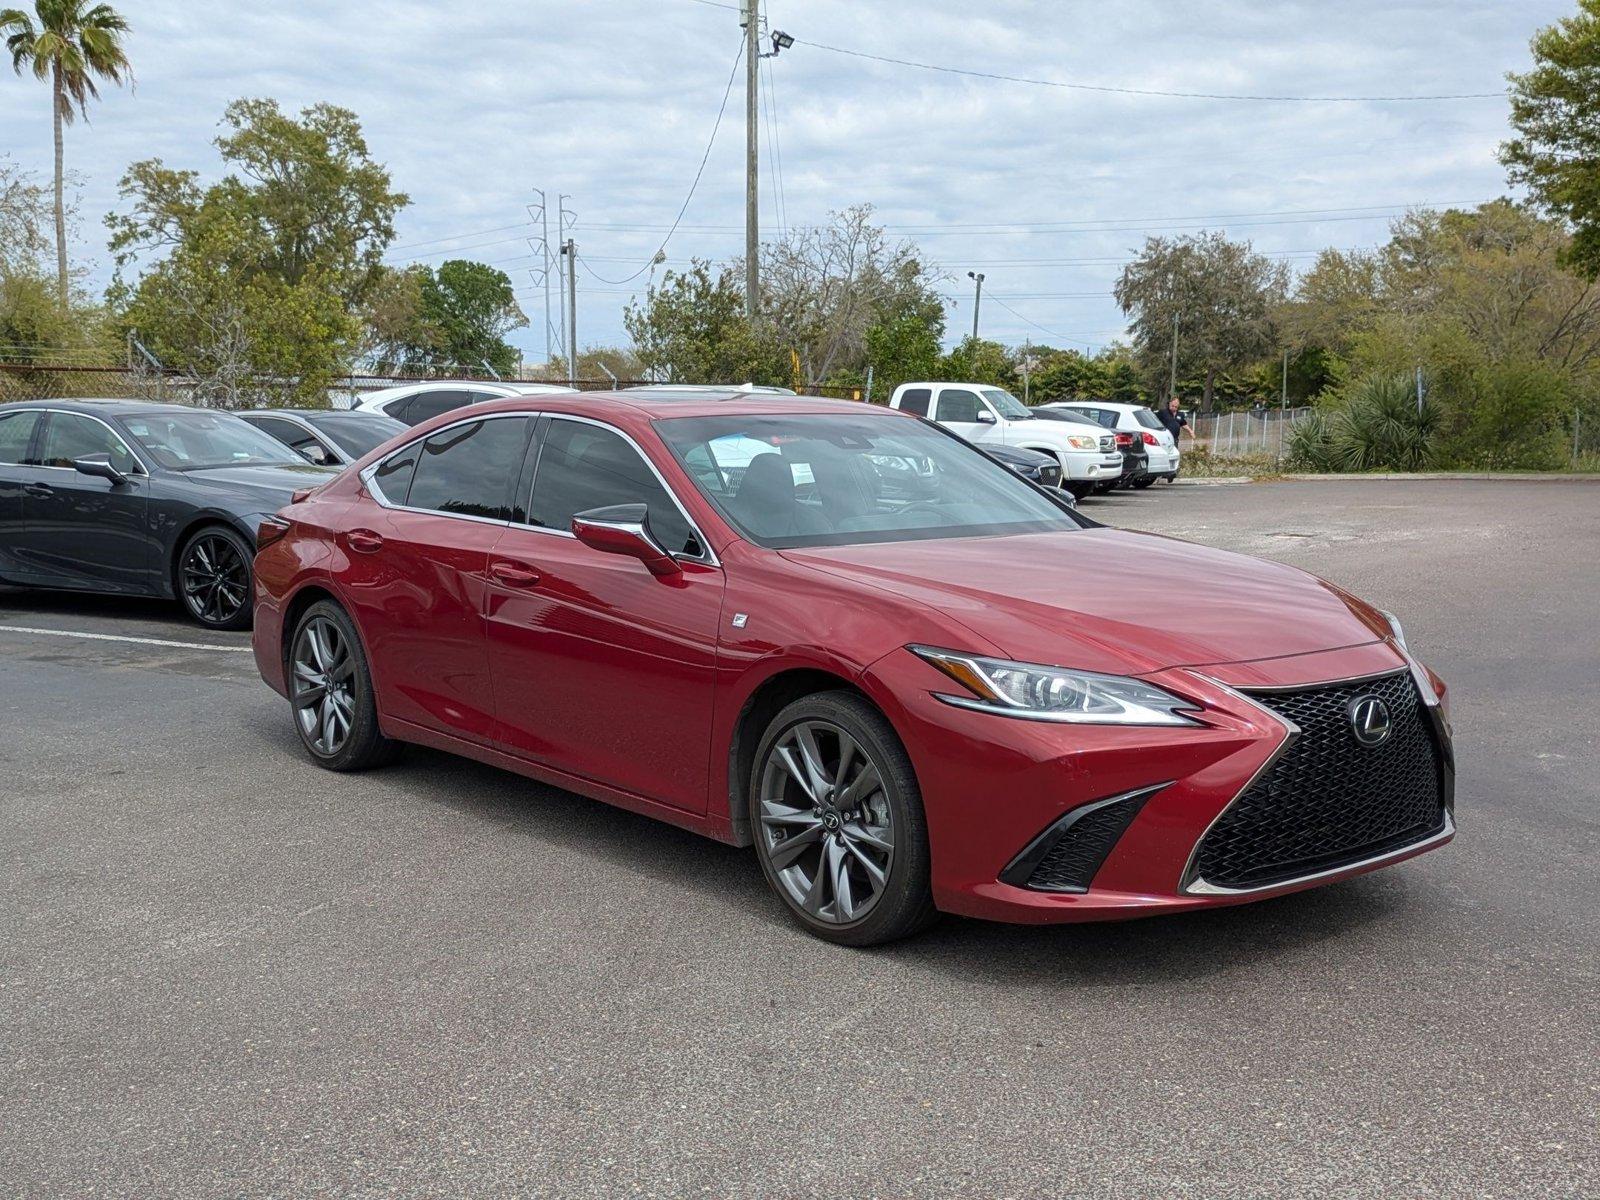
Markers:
point(216, 579)
point(827, 830)
point(323, 686)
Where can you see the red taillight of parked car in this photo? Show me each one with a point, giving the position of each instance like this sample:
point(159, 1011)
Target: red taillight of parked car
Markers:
point(1124, 439)
point(1150, 439)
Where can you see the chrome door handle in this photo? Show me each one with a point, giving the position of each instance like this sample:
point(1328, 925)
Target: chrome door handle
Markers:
point(38, 489)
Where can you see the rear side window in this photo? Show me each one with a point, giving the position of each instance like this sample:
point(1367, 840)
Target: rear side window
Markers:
point(431, 404)
point(956, 404)
point(469, 469)
point(584, 466)
point(915, 400)
point(1101, 415)
point(392, 479)
point(1146, 418)
point(16, 431)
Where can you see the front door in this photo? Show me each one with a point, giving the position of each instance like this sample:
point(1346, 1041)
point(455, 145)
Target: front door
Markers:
point(600, 668)
point(81, 531)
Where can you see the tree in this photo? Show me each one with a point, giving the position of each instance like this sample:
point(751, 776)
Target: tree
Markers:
point(1223, 294)
point(422, 320)
point(262, 272)
point(826, 289)
point(692, 328)
point(1555, 109)
point(322, 204)
point(72, 45)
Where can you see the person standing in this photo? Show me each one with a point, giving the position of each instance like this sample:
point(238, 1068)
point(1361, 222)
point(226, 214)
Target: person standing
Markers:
point(1172, 417)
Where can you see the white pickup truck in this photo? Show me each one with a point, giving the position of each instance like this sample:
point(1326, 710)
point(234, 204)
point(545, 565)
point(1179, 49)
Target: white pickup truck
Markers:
point(991, 416)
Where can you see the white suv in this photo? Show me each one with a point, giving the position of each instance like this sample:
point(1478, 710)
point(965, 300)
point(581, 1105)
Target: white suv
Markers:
point(414, 403)
point(990, 416)
point(1138, 420)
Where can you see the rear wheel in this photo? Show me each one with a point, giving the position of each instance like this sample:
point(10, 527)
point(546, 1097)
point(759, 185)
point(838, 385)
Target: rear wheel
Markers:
point(215, 579)
point(330, 693)
point(838, 822)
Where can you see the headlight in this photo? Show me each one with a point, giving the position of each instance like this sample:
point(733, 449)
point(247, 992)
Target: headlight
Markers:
point(1394, 628)
point(1078, 442)
point(1056, 694)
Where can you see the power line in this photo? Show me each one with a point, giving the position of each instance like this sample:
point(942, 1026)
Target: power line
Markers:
point(458, 236)
point(704, 158)
point(1047, 332)
point(1130, 91)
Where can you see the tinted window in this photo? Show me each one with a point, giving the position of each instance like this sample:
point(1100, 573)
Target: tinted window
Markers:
point(68, 436)
point(915, 400)
point(958, 405)
point(430, 404)
point(1101, 416)
point(16, 431)
point(584, 466)
point(392, 479)
point(287, 432)
point(468, 469)
point(356, 433)
point(837, 479)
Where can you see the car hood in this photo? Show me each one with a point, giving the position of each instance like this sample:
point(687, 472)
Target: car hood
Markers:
point(1108, 600)
point(271, 483)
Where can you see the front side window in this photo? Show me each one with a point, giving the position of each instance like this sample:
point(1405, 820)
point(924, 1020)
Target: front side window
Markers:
point(827, 479)
point(16, 431)
point(583, 466)
point(196, 441)
point(469, 469)
point(69, 436)
point(959, 405)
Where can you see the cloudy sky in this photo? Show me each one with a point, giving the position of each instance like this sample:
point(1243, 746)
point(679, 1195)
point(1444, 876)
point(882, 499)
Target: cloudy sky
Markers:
point(1045, 189)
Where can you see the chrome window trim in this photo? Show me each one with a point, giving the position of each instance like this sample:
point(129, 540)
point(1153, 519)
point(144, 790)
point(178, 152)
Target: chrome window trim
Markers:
point(368, 473)
point(297, 420)
point(1190, 884)
point(707, 556)
point(115, 432)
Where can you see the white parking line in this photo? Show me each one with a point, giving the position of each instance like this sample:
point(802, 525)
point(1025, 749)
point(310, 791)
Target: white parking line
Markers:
point(117, 637)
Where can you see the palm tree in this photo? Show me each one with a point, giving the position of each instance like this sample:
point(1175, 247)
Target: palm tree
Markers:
point(71, 45)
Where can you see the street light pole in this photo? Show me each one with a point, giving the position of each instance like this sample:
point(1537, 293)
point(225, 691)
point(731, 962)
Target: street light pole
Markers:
point(752, 215)
point(571, 251)
point(977, 300)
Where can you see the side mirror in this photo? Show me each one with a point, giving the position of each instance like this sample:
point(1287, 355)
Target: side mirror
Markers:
point(317, 456)
point(99, 465)
point(624, 529)
point(985, 417)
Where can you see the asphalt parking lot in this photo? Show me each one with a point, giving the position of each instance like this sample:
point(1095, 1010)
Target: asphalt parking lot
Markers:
point(224, 972)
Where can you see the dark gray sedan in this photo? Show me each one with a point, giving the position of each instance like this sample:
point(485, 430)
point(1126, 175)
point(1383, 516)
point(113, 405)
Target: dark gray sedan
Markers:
point(141, 499)
point(326, 437)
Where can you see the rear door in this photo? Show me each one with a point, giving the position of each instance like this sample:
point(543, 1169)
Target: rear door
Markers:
point(81, 531)
point(17, 474)
point(414, 562)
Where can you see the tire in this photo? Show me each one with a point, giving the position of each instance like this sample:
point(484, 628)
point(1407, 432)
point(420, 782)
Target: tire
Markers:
point(1078, 490)
point(1144, 481)
point(215, 578)
point(340, 734)
point(883, 830)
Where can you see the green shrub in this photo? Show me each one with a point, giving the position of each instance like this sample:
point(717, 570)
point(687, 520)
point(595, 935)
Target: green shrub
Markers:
point(1381, 426)
point(1310, 445)
point(1511, 419)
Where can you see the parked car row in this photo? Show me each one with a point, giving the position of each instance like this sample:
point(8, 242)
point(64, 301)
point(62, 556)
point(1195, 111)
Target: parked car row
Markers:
point(1098, 446)
point(846, 637)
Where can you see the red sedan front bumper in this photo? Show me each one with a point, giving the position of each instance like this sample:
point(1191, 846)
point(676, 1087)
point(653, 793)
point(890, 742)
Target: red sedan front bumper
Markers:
point(993, 785)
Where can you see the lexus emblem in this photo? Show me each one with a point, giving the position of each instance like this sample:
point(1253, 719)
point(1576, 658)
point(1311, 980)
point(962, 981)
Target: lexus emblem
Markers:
point(1370, 723)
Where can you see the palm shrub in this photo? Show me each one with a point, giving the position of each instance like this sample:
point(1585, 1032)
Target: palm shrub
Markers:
point(1380, 426)
point(1310, 444)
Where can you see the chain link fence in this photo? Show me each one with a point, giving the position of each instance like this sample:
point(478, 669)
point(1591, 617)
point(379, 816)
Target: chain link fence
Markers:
point(1257, 431)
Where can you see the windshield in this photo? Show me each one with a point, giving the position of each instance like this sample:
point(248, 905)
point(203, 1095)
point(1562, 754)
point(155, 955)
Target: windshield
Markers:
point(192, 441)
point(356, 433)
point(1007, 405)
point(833, 479)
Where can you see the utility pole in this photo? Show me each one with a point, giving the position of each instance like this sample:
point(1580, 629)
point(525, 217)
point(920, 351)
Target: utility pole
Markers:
point(1285, 401)
point(977, 300)
point(1172, 383)
point(752, 216)
point(570, 249)
point(1419, 389)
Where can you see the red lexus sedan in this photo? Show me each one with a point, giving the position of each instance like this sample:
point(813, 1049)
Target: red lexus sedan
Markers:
point(913, 680)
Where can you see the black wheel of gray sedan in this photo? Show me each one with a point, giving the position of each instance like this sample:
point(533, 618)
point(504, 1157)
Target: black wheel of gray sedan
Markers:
point(330, 692)
point(838, 822)
point(214, 578)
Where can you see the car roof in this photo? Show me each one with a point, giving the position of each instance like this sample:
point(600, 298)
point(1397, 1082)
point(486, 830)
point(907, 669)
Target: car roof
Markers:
point(648, 406)
point(1116, 404)
point(107, 407)
point(332, 414)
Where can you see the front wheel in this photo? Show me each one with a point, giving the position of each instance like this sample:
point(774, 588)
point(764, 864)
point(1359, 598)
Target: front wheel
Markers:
point(1078, 490)
point(215, 579)
point(330, 693)
point(838, 822)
